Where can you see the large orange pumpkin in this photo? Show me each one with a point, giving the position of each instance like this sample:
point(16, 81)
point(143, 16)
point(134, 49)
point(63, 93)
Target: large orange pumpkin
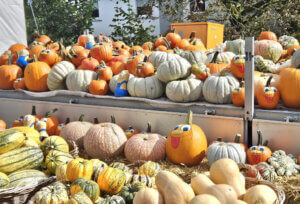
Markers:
point(2, 125)
point(267, 35)
point(8, 74)
point(77, 55)
point(186, 144)
point(36, 50)
point(35, 76)
point(103, 51)
point(159, 41)
point(89, 64)
point(268, 96)
point(173, 38)
point(16, 48)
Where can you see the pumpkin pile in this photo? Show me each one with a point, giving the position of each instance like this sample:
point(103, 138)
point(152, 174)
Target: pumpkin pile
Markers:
point(182, 69)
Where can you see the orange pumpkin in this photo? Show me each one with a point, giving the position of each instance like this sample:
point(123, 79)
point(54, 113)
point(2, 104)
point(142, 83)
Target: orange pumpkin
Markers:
point(4, 57)
point(77, 48)
point(161, 48)
point(173, 38)
point(117, 63)
point(148, 46)
point(16, 48)
point(103, 51)
point(237, 66)
point(238, 96)
point(214, 67)
point(44, 39)
point(104, 39)
point(186, 144)
point(36, 50)
point(89, 64)
point(147, 52)
point(268, 96)
point(8, 74)
point(118, 45)
point(52, 122)
point(98, 86)
point(267, 35)
point(124, 52)
point(35, 76)
point(19, 83)
point(133, 62)
point(145, 69)
point(292, 49)
point(130, 131)
point(195, 43)
point(260, 152)
point(137, 48)
point(49, 56)
point(18, 122)
point(159, 41)
point(183, 43)
point(2, 125)
point(77, 55)
point(105, 72)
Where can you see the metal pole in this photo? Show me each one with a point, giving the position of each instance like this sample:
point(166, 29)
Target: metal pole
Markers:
point(37, 27)
point(249, 89)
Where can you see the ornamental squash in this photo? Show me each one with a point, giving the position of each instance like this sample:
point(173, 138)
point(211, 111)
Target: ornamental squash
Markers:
point(288, 41)
point(90, 188)
point(148, 196)
point(61, 172)
point(79, 168)
point(55, 194)
point(55, 158)
point(268, 49)
point(111, 180)
point(186, 90)
point(54, 143)
point(128, 192)
point(173, 189)
point(149, 169)
point(26, 177)
point(79, 80)
point(144, 180)
point(58, 74)
point(22, 158)
point(205, 199)
point(10, 139)
point(30, 133)
point(4, 181)
point(260, 194)
point(80, 198)
point(111, 200)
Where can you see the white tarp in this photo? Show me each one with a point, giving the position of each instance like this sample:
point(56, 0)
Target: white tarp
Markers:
point(12, 23)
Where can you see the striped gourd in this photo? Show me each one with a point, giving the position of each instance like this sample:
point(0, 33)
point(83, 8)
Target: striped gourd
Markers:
point(150, 168)
point(55, 158)
point(22, 158)
point(26, 177)
point(80, 198)
point(98, 163)
point(90, 188)
point(111, 180)
point(55, 194)
point(128, 192)
point(10, 140)
point(54, 143)
point(97, 172)
point(61, 172)
point(4, 180)
point(30, 133)
point(124, 168)
point(79, 168)
point(142, 179)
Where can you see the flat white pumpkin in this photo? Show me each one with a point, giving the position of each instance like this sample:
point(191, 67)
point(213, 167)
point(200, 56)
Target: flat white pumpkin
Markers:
point(157, 57)
point(236, 46)
point(79, 80)
point(194, 57)
point(149, 87)
point(223, 57)
point(184, 90)
point(57, 76)
point(218, 88)
point(114, 80)
point(174, 69)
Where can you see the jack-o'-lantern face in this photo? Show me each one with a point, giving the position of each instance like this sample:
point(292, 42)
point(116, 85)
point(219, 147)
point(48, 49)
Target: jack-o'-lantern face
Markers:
point(180, 132)
point(268, 98)
point(130, 132)
point(237, 66)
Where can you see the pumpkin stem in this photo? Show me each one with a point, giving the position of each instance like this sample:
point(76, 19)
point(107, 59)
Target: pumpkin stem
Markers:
point(67, 121)
point(176, 50)
point(219, 139)
point(96, 121)
point(190, 118)
point(150, 46)
point(36, 34)
point(98, 75)
point(81, 117)
point(113, 119)
point(148, 127)
point(172, 30)
point(192, 35)
point(167, 44)
point(215, 57)
point(9, 61)
point(242, 84)
point(33, 111)
point(73, 53)
point(49, 113)
point(269, 81)
point(266, 143)
point(259, 134)
point(237, 138)
point(35, 58)
point(145, 59)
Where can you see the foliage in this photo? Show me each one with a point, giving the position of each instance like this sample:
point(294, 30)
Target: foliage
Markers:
point(60, 19)
point(128, 26)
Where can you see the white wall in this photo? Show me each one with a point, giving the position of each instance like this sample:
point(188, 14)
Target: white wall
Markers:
point(107, 12)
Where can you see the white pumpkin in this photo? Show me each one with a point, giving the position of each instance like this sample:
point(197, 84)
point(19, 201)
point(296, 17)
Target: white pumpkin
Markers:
point(296, 59)
point(288, 41)
point(268, 49)
point(149, 87)
point(280, 66)
point(175, 69)
point(218, 87)
point(220, 150)
point(114, 80)
point(57, 76)
point(157, 57)
point(223, 57)
point(194, 57)
point(184, 90)
point(79, 80)
point(236, 46)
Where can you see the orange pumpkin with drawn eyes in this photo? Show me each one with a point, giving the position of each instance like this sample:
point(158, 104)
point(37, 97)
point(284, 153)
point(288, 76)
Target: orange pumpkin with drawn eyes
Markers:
point(238, 96)
point(118, 44)
point(268, 96)
point(237, 66)
point(130, 131)
point(49, 56)
point(186, 144)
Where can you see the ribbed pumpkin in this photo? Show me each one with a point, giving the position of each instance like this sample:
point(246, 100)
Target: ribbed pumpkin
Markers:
point(268, 49)
point(55, 194)
point(145, 146)
point(8, 74)
point(80, 198)
point(49, 56)
point(79, 168)
point(223, 57)
point(79, 80)
point(55, 158)
point(111, 180)
point(149, 169)
point(104, 141)
point(128, 192)
point(36, 50)
point(288, 41)
point(4, 180)
point(157, 58)
point(10, 139)
point(54, 143)
point(98, 86)
point(61, 172)
point(26, 177)
point(267, 35)
point(194, 57)
point(103, 51)
point(90, 188)
point(89, 64)
point(215, 67)
point(77, 55)
point(35, 75)
point(58, 74)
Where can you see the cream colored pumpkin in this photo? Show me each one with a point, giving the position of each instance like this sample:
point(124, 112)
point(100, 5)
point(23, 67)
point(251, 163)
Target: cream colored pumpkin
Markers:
point(148, 196)
point(268, 49)
point(218, 88)
point(56, 77)
point(114, 80)
point(174, 69)
point(194, 57)
point(223, 57)
point(149, 87)
point(296, 59)
point(261, 194)
point(184, 90)
point(79, 80)
point(104, 141)
point(236, 46)
point(157, 58)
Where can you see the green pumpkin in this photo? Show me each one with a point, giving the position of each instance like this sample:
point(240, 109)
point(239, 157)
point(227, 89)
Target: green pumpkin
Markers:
point(111, 200)
point(128, 192)
point(263, 65)
point(90, 188)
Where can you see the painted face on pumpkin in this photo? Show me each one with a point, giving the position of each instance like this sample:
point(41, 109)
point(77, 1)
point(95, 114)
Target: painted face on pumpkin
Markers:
point(269, 93)
point(258, 153)
point(130, 132)
point(236, 92)
point(180, 132)
point(239, 62)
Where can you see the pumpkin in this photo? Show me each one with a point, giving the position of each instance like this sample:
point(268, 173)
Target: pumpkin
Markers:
point(149, 87)
point(222, 57)
point(194, 57)
point(226, 171)
point(104, 39)
point(148, 46)
point(36, 50)
point(260, 194)
point(161, 48)
point(173, 189)
point(205, 199)
point(145, 146)
point(218, 87)
point(268, 49)
point(2, 125)
point(183, 43)
point(52, 122)
point(80, 198)
point(98, 86)
point(105, 72)
point(55, 193)
point(220, 150)
point(111, 180)
point(49, 56)
point(54, 143)
point(268, 96)
point(132, 63)
point(90, 188)
point(186, 144)
point(237, 66)
point(56, 158)
point(236, 46)
point(79, 168)
point(267, 35)
point(35, 76)
point(136, 48)
point(104, 140)
point(130, 131)
point(159, 41)
point(118, 44)
point(148, 196)
point(149, 169)
point(296, 59)
point(195, 43)
point(111, 200)
point(15, 49)
point(77, 55)
point(75, 131)
point(116, 78)
point(173, 38)
point(264, 65)
point(19, 83)
point(83, 38)
point(265, 170)
point(4, 57)
point(8, 74)
point(57, 76)
point(89, 64)
point(128, 192)
point(144, 180)
point(79, 80)
point(44, 39)
point(145, 69)
point(258, 153)
point(4, 181)
point(238, 95)
point(157, 58)
point(288, 41)
point(174, 69)
point(61, 172)
point(117, 63)
point(215, 67)
point(292, 49)
point(97, 170)
point(103, 51)
point(61, 126)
